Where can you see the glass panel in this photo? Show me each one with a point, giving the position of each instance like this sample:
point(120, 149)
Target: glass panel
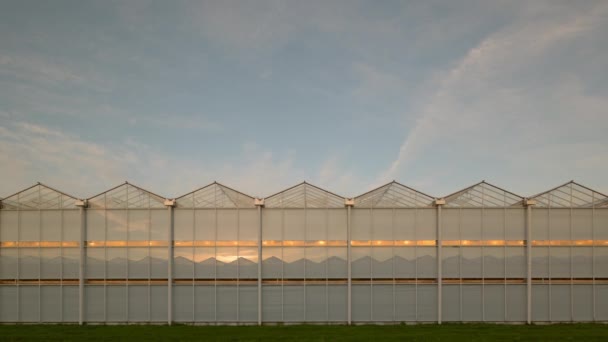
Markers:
point(116, 224)
point(29, 226)
point(226, 262)
point(248, 262)
point(95, 298)
point(50, 263)
point(382, 262)
point(29, 260)
point(494, 303)
point(493, 224)
point(450, 305)
point(8, 263)
point(559, 219)
point(361, 303)
point(204, 303)
point(582, 224)
point(71, 225)
point(227, 303)
point(560, 303)
point(294, 227)
point(272, 303)
point(582, 258)
point(95, 268)
point(472, 310)
point(600, 224)
point(96, 225)
point(205, 263)
point(29, 303)
point(159, 225)
point(471, 262)
point(515, 228)
point(540, 262)
point(183, 307)
point(248, 225)
point(183, 225)
point(116, 263)
point(294, 263)
point(494, 262)
point(70, 303)
point(116, 301)
point(248, 303)
point(183, 266)
point(601, 262)
point(227, 225)
point(540, 303)
point(560, 262)
point(337, 223)
point(582, 303)
point(51, 225)
point(272, 266)
point(316, 262)
point(293, 303)
point(451, 262)
point(450, 224)
point(361, 262)
point(471, 221)
point(427, 262)
point(361, 224)
point(540, 224)
point(427, 303)
point(337, 266)
point(9, 227)
point(516, 303)
point(426, 226)
point(139, 263)
point(316, 224)
point(205, 224)
point(405, 262)
point(272, 226)
point(158, 262)
point(138, 303)
point(405, 224)
point(337, 303)
point(382, 224)
point(382, 303)
point(516, 262)
point(139, 222)
point(50, 303)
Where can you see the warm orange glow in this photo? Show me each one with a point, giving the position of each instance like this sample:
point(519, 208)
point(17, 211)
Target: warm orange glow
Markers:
point(41, 244)
point(426, 242)
point(478, 243)
point(360, 243)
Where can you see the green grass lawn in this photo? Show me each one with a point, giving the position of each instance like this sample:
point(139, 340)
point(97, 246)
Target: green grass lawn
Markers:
point(446, 332)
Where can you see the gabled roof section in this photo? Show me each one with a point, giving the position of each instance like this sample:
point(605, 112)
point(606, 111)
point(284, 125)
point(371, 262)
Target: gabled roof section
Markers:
point(304, 195)
point(126, 196)
point(39, 196)
point(483, 194)
point(215, 195)
point(571, 195)
point(393, 195)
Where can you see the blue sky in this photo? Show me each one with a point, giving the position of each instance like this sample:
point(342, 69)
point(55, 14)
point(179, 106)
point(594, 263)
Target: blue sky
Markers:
point(260, 95)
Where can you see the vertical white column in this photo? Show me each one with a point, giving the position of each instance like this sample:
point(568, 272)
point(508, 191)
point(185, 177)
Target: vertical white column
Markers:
point(349, 203)
point(529, 203)
point(438, 204)
point(259, 203)
point(81, 204)
point(170, 204)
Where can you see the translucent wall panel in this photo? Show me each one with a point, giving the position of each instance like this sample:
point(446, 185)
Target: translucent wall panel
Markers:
point(382, 303)
point(450, 306)
point(540, 303)
point(183, 299)
point(516, 303)
point(204, 303)
point(227, 303)
point(50, 303)
point(361, 303)
point(139, 303)
point(9, 310)
point(248, 303)
point(405, 303)
point(293, 303)
point(427, 303)
point(158, 303)
point(582, 303)
point(95, 299)
point(561, 310)
point(426, 262)
point(601, 302)
point(472, 308)
point(494, 303)
point(337, 303)
point(29, 309)
point(116, 303)
point(272, 303)
point(316, 303)
point(70, 303)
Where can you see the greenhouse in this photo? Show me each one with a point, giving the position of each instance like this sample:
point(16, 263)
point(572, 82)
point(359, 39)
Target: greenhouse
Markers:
point(304, 255)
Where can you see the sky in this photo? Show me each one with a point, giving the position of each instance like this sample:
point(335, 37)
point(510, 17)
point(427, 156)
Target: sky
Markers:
point(261, 95)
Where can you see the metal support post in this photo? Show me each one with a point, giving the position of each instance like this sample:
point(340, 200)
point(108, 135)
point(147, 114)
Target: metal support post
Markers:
point(349, 203)
point(259, 203)
point(81, 204)
point(439, 203)
point(170, 204)
point(529, 203)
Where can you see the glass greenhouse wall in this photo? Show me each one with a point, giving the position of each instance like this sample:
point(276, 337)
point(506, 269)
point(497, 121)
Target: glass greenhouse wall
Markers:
point(304, 255)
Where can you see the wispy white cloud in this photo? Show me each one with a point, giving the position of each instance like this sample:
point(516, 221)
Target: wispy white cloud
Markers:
point(493, 102)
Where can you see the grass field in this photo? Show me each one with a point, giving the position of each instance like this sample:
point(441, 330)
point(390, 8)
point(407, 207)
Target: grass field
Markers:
point(446, 332)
